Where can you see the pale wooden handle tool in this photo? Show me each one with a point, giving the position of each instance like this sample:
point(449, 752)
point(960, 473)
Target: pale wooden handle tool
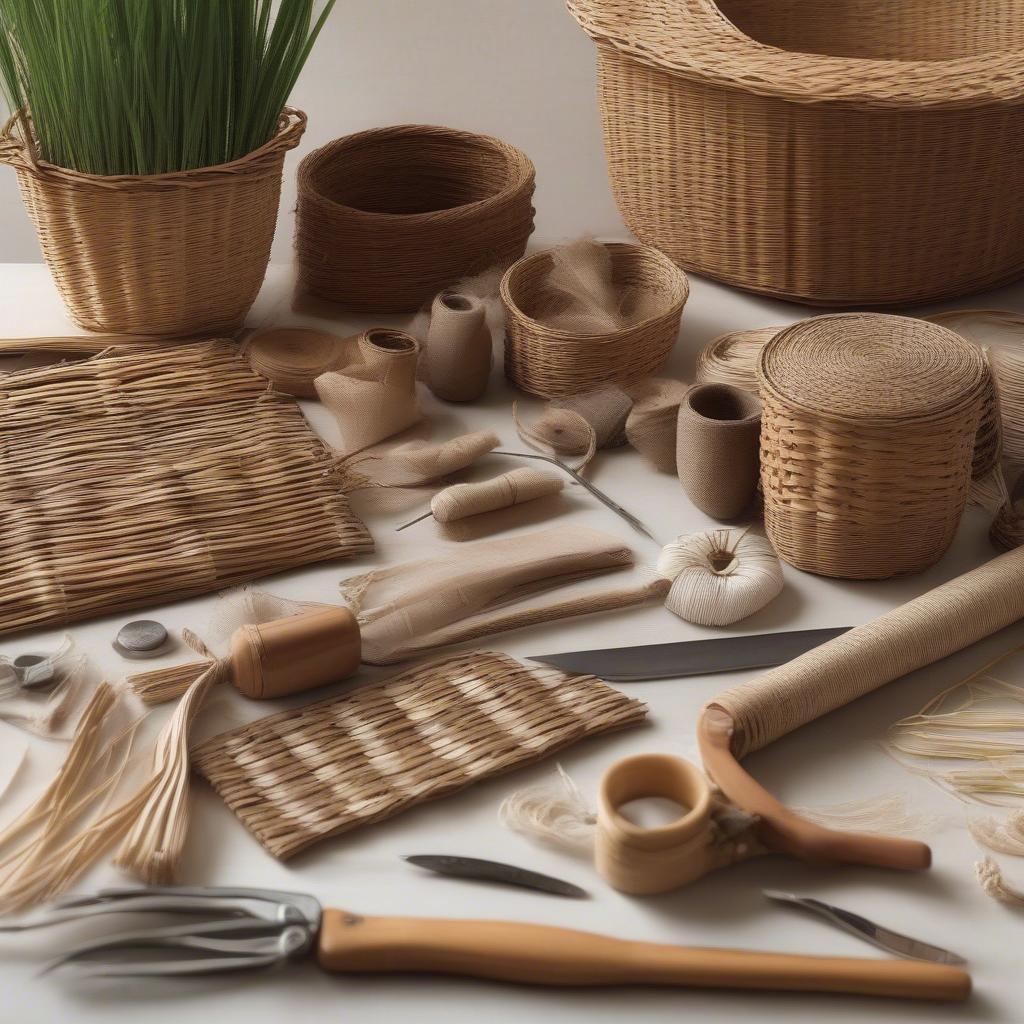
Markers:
point(542, 955)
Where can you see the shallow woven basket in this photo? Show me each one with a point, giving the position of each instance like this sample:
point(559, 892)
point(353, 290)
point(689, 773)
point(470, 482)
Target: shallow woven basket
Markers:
point(867, 437)
point(169, 254)
point(388, 218)
point(847, 153)
point(556, 363)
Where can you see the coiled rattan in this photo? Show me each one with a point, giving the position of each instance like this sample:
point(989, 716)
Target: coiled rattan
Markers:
point(867, 438)
point(388, 218)
point(557, 363)
point(170, 254)
point(847, 153)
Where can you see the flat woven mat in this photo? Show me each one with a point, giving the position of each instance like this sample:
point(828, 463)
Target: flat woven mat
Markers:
point(130, 479)
point(301, 776)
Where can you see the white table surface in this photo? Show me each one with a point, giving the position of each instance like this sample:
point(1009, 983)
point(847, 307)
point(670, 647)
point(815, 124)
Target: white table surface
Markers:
point(836, 759)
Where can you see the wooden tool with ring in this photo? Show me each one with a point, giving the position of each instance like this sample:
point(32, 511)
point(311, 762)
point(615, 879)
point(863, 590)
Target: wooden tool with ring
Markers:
point(730, 816)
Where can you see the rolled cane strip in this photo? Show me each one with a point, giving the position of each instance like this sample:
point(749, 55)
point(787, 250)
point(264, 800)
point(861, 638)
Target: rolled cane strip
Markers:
point(752, 715)
point(516, 487)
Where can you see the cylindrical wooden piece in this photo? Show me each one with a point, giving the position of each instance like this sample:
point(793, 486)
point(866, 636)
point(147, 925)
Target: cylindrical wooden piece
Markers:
point(717, 448)
point(541, 955)
point(294, 654)
point(458, 351)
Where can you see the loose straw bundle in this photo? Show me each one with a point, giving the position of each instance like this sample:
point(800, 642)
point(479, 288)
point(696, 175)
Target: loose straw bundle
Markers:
point(867, 441)
point(924, 630)
point(291, 358)
point(732, 358)
point(720, 577)
point(372, 393)
point(161, 476)
point(299, 777)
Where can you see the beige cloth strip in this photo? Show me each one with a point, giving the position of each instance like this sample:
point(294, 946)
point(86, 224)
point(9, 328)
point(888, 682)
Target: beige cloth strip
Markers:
point(926, 629)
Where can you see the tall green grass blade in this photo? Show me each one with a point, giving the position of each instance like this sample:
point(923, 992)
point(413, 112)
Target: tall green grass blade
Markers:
point(151, 86)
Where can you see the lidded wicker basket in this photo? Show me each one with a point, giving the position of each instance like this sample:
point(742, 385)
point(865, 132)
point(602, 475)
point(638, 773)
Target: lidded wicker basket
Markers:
point(388, 218)
point(856, 152)
point(867, 437)
point(556, 363)
point(171, 254)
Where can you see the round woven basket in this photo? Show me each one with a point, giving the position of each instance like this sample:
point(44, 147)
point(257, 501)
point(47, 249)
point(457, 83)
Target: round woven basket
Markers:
point(867, 438)
point(170, 254)
point(556, 363)
point(856, 152)
point(388, 218)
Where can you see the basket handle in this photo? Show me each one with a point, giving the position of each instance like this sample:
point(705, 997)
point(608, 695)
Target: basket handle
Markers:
point(18, 148)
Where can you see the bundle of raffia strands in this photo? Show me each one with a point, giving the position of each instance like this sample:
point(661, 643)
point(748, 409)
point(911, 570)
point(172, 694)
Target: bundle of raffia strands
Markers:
point(579, 425)
point(159, 476)
point(867, 440)
point(448, 724)
point(372, 390)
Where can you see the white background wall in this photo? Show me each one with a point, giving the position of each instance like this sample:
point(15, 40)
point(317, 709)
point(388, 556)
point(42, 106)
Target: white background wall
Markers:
point(519, 69)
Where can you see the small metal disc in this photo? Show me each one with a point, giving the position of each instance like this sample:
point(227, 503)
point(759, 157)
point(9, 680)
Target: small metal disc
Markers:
point(143, 636)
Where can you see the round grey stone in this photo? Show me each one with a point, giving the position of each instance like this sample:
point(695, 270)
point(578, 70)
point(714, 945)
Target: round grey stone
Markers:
point(142, 636)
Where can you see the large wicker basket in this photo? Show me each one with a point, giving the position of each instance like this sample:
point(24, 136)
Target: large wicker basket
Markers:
point(556, 363)
point(388, 218)
point(170, 254)
point(846, 153)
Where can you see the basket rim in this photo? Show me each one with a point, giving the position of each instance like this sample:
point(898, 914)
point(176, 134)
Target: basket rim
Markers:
point(707, 47)
point(17, 150)
point(521, 177)
point(682, 284)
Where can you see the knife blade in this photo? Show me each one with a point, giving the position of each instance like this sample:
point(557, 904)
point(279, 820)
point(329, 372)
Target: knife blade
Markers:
point(494, 871)
point(878, 935)
point(691, 657)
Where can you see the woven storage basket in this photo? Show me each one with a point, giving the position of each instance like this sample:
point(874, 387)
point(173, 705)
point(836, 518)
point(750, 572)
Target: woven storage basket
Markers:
point(855, 152)
point(169, 254)
point(867, 436)
point(388, 218)
point(556, 363)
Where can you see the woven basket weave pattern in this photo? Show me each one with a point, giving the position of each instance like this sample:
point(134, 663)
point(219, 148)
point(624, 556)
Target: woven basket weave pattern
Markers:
point(170, 254)
point(388, 218)
point(816, 177)
point(862, 481)
point(555, 363)
point(304, 775)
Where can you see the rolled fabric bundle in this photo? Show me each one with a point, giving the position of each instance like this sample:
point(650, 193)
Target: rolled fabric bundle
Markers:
point(717, 441)
point(291, 358)
point(460, 501)
point(579, 425)
point(651, 424)
point(372, 394)
point(930, 627)
point(458, 353)
point(721, 576)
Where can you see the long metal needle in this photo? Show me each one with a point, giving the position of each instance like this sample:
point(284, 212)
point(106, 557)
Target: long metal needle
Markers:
point(600, 495)
point(413, 522)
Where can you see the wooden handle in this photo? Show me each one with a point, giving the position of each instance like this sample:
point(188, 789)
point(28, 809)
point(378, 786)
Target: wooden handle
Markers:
point(782, 829)
point(540, 955)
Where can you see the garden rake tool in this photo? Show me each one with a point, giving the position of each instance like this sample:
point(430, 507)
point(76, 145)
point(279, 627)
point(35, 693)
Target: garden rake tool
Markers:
point(237, 928)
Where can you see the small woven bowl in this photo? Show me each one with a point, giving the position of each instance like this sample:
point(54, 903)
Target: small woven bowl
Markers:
point(388, 218)
point(556, 363)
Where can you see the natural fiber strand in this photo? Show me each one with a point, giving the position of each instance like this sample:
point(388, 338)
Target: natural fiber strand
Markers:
point(990, 878)
point(732, 358)
point(298, 777)
point(166, 475)
point(720, 577)
point(372, 393)
point(1005, 836)
point(555, 814)
point(884, 814)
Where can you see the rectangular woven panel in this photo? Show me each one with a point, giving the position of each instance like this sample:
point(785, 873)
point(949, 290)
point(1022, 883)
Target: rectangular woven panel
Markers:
point(130, 479)
point(304, 775)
